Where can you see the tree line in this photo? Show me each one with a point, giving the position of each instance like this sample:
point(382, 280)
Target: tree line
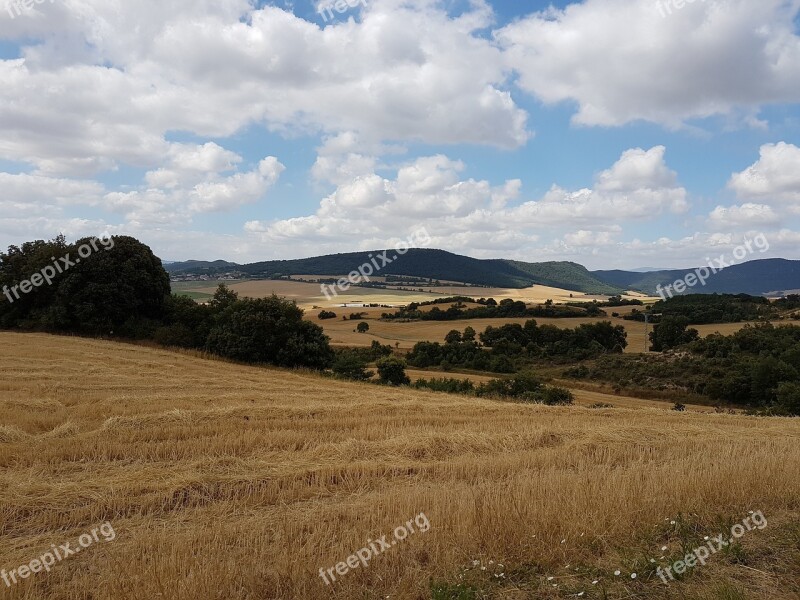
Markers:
point(125, 292)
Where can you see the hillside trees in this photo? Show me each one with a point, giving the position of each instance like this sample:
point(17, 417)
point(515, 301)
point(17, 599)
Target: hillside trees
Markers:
point(269, 330)
point(672, 332)
point(392, 371)
point(115, 285)
point(120, 288)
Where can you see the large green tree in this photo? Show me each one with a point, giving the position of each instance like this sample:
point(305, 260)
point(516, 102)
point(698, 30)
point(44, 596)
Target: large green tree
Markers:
point(269, 330)
point(114, 285)
point(672, 332)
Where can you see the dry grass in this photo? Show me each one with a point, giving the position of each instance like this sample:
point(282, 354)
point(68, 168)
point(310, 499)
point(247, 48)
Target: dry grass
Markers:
point(309, 294)
point(232, 482)
point(585, 394)
point(405, 335)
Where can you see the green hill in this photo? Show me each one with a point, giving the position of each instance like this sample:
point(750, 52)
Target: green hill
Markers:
point(418, 262)
point(756, 277)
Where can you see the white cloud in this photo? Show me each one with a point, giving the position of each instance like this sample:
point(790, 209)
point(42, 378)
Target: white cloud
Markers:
point(744, 215)
point(474, 216)
point(214, 194)
point(191, 164)
point(773, 179)
point(622, 61)
point(122, 75)
point(585, 238)
point(638, 186)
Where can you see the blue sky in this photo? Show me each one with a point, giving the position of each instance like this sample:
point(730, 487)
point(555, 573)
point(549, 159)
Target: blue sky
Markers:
point(598, 131)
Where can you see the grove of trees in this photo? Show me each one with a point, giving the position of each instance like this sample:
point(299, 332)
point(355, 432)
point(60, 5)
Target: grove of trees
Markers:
point(123, 291)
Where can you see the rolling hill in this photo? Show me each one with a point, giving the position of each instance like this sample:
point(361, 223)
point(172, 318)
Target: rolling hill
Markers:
point(434, 264)
point(757, 277)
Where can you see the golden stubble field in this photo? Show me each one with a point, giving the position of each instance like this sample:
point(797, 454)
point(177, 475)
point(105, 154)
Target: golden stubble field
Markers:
point(405, 335)
point(231, 482)
point(309, 294)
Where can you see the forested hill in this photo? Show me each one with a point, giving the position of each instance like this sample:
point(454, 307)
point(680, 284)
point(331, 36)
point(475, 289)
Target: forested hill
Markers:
point(757, 277)
point(417, 262)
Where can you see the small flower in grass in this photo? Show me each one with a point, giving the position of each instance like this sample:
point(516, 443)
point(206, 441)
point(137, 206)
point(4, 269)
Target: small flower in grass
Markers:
point(595, 582)
point(652, 560)
point(617, 572)
point(663, 548)
point(633, 575)
point(550, 579)
point(706, 538)
point(672, 522)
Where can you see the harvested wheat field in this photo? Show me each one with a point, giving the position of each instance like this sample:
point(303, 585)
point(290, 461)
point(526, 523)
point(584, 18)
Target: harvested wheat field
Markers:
point(406, 334)
point(230, 482)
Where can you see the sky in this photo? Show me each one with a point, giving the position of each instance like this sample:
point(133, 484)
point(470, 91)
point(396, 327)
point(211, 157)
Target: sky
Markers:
point(612, 133)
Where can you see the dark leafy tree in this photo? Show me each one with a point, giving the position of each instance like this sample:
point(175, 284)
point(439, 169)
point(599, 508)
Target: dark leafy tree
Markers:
point(672, 332)
point(350, 366)
point(453, 337)
point(392, 371)
point(269, 330)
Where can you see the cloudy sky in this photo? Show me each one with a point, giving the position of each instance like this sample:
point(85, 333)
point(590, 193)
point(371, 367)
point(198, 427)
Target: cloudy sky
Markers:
point(615, 133)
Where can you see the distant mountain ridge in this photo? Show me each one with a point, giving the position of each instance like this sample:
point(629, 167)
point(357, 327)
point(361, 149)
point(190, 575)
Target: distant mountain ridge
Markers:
point(420, 262)
point(758, 277)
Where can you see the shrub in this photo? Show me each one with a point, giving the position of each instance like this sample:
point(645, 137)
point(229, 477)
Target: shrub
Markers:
point(392, 371)
point(449, 385)
point(269, 330)
point(555, 396)
point(513, 387)
point(348, 365)
point(327, 314)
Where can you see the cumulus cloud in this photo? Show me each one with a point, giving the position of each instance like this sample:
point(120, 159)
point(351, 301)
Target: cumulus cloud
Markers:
point(214, 194)
point(774, 178)
point(101, 90)
point(407, 71)
point(479, 218)
point(622, 60)
point(744, 215)
point(638, 186)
